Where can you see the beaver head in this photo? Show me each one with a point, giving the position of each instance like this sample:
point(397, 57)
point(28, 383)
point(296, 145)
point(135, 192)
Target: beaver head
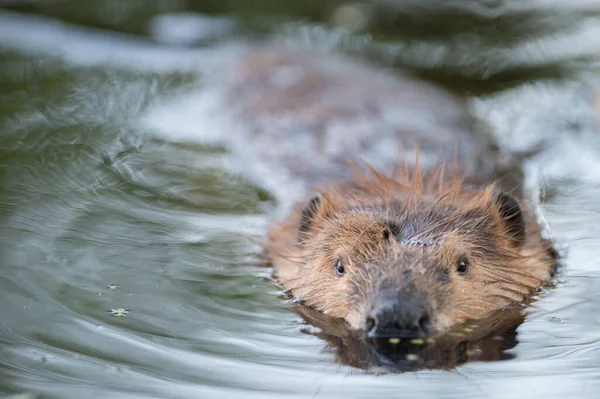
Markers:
point(406, 259)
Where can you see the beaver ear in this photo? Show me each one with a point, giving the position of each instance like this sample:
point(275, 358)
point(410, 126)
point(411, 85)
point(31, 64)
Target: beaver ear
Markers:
point(310, 211)
point(511, 215)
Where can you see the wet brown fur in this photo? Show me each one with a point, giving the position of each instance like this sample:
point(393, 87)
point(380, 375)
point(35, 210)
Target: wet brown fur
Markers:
point(441, 218)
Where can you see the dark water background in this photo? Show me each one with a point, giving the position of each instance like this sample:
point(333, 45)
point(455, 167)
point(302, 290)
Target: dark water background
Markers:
point(111, 198)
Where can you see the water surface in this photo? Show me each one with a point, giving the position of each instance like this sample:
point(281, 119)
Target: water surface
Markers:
point(114, 196)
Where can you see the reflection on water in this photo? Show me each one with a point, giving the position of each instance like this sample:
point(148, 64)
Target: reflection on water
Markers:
point(483, 340)
point(108, 200)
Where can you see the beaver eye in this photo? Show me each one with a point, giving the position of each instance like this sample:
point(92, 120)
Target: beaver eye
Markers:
point(339, 268)
point(462, 266)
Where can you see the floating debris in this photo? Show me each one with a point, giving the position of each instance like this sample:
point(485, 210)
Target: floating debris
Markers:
point(457, 334)
point(112, 287)
point(314, 330)
point(430, 340)
point(119, 312)
point(411, 357)
point(394, 341)
point(417, 341)
point(555, 319)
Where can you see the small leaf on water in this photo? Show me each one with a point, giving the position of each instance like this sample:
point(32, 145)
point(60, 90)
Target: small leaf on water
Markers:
point(119, 312)
point(314, 330)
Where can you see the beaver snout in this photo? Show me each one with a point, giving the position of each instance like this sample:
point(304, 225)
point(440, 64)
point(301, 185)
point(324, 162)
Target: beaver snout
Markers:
point(395, 314)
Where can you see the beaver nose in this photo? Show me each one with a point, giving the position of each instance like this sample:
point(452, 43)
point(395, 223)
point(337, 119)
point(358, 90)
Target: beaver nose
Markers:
point(396, 315)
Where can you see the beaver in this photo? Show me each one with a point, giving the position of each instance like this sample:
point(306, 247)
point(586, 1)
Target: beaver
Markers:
point(405, 246)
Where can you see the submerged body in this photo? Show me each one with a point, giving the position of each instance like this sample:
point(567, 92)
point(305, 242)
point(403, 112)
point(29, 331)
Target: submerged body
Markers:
point(407, 249)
